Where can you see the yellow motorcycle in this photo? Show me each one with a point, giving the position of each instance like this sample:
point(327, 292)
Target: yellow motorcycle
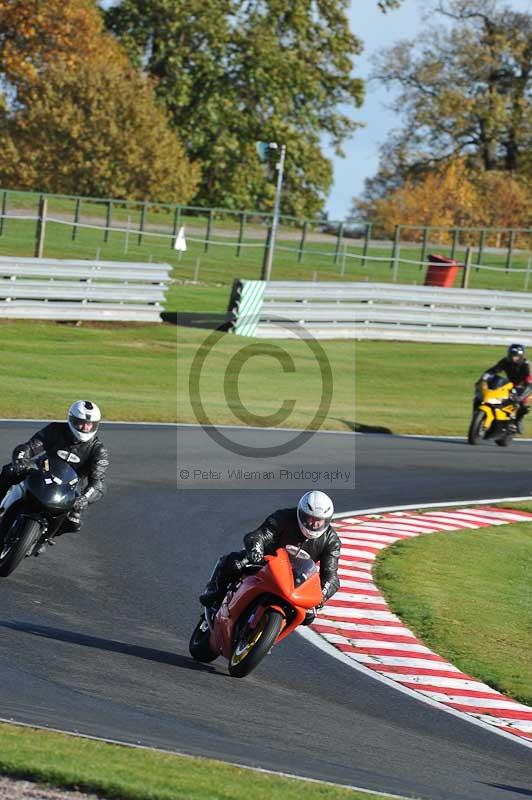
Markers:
point(494, 411)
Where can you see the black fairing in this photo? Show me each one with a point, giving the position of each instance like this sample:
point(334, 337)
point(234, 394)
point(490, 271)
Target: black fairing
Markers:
point(43, 492)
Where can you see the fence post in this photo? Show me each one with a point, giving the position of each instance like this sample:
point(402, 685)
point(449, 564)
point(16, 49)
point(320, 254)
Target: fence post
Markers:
point(241, 233)
point(455, 242)
point(467, 269)
point(527, 276)
point(481, 247)
point(4, 209)
point(41, 227)
point(367, 235)
point(176, 226)
point(424, 246)
point(76, 219)
point(510, 249)
point(344, 256)
point(302, 242)
point(209, 230)
point(142, 221)
point(395, 252)
point(108, 220)
point(338, 241)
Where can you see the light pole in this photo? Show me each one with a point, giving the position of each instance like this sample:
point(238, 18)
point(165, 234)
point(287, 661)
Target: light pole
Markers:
point(272, 233)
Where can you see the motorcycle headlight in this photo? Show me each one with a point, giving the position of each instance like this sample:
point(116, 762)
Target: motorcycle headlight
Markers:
point(494, 402)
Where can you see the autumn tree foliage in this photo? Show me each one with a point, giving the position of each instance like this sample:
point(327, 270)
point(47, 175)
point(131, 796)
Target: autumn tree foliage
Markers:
point(453, 196)
point(37, 33)
point(78, 118)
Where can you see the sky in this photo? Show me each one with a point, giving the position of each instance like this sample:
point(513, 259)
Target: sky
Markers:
point(377, 31)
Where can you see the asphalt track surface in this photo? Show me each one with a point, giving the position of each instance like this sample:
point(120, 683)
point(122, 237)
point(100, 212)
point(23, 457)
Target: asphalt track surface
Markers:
point(94, 634)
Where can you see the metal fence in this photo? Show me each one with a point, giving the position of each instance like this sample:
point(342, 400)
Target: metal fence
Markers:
point(223, 244)
point(40, 288)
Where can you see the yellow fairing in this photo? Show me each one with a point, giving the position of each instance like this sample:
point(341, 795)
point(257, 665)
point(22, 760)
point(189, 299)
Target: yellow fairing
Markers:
point(499, 411)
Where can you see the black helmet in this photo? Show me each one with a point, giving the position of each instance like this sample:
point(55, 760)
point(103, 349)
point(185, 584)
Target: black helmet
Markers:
point(516, 352)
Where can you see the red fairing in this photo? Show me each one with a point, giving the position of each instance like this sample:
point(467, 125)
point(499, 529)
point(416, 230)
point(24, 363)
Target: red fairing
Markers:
point(274, 582)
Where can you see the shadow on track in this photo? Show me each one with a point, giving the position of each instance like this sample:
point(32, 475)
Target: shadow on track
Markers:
point(84, 640)
point(516, 789)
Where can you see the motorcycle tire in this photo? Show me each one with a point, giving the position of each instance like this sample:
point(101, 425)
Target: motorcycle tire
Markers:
point(251, 648)
point(199, 647)
point(505, 440)
point(15, 546)
point(475, 434)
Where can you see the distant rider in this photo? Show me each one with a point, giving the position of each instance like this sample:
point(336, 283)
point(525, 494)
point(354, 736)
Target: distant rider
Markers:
point(88, 457)
point(308, 526)
point(517, 369)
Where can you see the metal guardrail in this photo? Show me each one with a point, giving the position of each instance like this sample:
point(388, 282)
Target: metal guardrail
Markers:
point(293, 308)
point(361, 310)
point(86, 290)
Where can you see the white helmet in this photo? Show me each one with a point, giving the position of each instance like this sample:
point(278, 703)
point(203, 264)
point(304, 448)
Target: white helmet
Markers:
point(83, 419)
point(314, 514)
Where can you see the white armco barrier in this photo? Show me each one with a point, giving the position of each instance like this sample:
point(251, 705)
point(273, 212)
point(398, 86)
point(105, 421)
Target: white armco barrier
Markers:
point(361, 310)
point(54, 289)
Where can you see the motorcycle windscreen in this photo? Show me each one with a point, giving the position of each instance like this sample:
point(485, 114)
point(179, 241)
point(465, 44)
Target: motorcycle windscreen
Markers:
point(53, 485)
point(303, 567)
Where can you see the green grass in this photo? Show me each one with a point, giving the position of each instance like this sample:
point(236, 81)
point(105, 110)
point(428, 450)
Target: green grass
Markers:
point(142, 373)
point(262, 382)
point(130, 371)
point(421, 388)
point(132, 774)
point(467, 595)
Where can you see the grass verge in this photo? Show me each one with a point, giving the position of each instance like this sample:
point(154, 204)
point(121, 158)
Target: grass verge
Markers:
point(125, 773)
point(420, 388)
point(467, 595)
point(131, 372)
point(275, 383)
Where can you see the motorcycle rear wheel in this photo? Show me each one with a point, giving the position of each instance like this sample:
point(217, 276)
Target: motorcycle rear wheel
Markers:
point(14, 547)
point(477, 431)
point(251, 647)
point(199, 647)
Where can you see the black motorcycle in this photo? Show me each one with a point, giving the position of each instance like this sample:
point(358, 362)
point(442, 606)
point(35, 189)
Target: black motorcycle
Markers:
point(34, 510)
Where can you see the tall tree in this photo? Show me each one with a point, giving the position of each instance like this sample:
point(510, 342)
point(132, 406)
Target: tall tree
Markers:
point(465, 89)
point(94, 129)
point(36, 33)
point(232, 72)
point(78, 117)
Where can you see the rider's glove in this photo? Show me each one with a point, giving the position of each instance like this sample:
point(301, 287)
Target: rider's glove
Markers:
point(21, 466)
point(255, 554)
point(80, 503)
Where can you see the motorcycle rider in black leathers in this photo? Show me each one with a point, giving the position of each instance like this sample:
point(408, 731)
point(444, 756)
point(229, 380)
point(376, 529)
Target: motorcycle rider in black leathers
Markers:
point(517, 369)
point(307, 526)
point(75, 440)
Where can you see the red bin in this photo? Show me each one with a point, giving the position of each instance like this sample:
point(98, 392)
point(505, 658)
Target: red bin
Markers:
point(442, 271)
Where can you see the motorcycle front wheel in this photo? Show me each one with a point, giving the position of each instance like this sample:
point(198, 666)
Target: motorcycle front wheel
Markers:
point(477, 432)
point(17, 542)
point(254, 643)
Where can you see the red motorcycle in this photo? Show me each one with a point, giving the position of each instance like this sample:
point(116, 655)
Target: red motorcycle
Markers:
point(259, 610)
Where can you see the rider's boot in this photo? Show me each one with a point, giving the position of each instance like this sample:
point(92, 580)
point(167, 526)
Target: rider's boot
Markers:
point(216, 587)
point(523, 411)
